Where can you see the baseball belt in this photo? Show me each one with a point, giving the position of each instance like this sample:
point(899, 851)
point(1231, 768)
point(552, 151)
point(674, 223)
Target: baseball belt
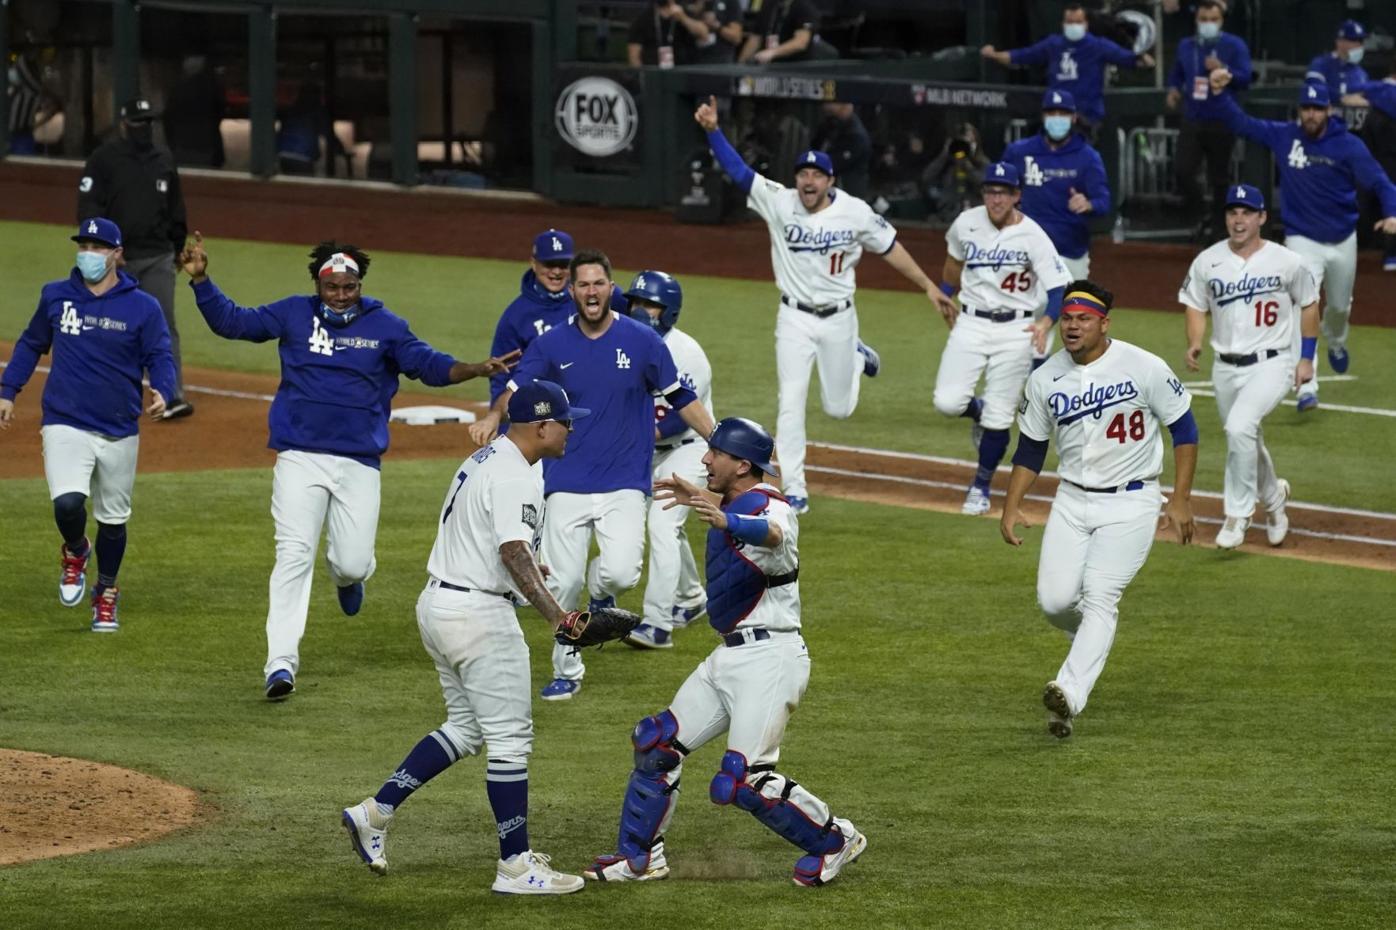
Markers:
point(670, 447)
point(997, 316)
point(455, 587)
point(820, 312)
point(1131, 486)
point(1241, 361)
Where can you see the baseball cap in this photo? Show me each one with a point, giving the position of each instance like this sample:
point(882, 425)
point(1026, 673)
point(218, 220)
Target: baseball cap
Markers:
point(1058, 100)
point(1003, 173)
point(138, 110)
point(99, 229)
point(1352, 30)
point(553, 246)
point(816, 159)
point(1245, 195)
point(1314, 95)
point(542, 400)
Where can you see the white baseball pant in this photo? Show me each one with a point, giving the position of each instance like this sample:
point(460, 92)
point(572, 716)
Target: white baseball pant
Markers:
point(618, 520)
point(1334, 267)
point(96, 466)
point(1078, 268)
point(802, 341)
point(673, 573)
point(1092, 547)
point(1001, 352)
point(482, 660)
point(309, 490)
point(1244, 396)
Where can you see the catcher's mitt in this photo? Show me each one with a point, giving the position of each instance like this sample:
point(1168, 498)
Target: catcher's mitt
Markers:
point(594, 627)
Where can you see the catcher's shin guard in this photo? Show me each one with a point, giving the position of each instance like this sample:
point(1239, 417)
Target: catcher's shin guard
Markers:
point(653, 789)
point(778, 802)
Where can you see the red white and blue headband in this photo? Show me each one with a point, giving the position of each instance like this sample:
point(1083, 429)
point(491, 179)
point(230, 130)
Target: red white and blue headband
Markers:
point(338, 262)
point(1080, 300)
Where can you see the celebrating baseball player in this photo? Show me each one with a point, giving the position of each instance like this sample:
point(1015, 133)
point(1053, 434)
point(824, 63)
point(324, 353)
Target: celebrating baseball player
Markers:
point(749, 685)
point(341, 354)
point(1106, 401)
point(481, 561)
point(1009, 271)
point(104, 331)
point(614, 366)
point(818, 235)
point(674, 593)
point(1255, 291)
point(1321, 166)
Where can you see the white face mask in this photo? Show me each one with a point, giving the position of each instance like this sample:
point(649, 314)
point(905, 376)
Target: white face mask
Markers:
point(1074, 32)
point(1355, 55)
point(1208, 30)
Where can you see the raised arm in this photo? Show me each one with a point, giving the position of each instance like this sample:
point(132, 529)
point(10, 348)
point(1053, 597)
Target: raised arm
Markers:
point(1266, 132)
point(739, 171)
point(224, 316)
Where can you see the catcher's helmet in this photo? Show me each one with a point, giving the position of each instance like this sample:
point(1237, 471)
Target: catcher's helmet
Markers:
point(745, 439)
point(660, 288)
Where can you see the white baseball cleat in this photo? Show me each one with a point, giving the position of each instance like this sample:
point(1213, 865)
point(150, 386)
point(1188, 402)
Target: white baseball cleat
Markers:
point(1058, 710)
point(529, 873)
point(72, 584)
point(1233, 532)
point(812, 871)
point(976, 435)
point(976, 502)
point(616, 868)
point(368, 832)
point(1277, 527)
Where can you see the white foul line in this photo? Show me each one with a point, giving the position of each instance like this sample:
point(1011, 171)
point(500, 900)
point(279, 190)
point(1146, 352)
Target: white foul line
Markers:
point(1202, 389)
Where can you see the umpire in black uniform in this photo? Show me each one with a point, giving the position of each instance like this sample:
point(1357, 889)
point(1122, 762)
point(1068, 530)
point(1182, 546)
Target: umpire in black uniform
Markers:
point(133, 181)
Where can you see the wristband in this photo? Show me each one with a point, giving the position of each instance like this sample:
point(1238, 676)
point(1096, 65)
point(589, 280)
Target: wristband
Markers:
point(948, 289)
point(1308, 347)
point(748, 529)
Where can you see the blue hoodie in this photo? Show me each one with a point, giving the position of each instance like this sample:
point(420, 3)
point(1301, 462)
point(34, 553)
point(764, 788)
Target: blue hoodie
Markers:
point(1380, 94)
point(337, 381)
point(1341, 76)
point(1049, 175)
point(101, 345)
point(1189, 75)
point(1318, 177)
point(1077, 67)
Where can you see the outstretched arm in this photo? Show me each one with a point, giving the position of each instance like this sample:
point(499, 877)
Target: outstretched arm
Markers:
point(224, 316)
point(900, 259)
point(739, 171)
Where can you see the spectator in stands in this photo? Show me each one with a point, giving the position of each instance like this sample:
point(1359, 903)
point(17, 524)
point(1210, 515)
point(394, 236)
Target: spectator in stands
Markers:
point(31, 105)
point(303, 127)
point(1340, 69)
point(666, 35)
point(1203, 134)
point(785, 30)
point(1379, 132)
point(1075, 62)
point(194, 111)
point(953, 179)
point(846, 139)
point(724, 21)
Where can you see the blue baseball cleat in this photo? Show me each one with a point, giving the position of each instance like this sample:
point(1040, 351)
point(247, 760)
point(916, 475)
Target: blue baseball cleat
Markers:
point(560, 689)
point(649, 636)
point(683, 616)
point(281, 684)
point(872, 362)
point(598, 603)
point(1338, 359)
point(797, 503)
point(1308, 402)
point(351, 598)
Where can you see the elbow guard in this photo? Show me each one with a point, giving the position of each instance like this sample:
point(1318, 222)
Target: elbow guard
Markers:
point(1031, 453)
point(1184, 430)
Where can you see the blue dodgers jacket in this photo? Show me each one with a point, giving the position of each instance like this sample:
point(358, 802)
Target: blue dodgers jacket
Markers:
point(1049, 175)
point(1189, 74)
point(1078, 67)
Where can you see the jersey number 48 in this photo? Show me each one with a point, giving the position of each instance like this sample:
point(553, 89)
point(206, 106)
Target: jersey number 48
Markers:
point(1122, 430)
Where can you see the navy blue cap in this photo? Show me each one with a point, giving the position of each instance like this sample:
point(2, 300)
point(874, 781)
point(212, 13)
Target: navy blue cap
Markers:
point(1314, 95)
point(816, 159)
point(1059, 100)
point(745, 439)
point(1352, 30)
point(553, 246)
point(1001, 172)
point(1245, 195)
point(542, 400)
point(99, 229)
point(138, 110)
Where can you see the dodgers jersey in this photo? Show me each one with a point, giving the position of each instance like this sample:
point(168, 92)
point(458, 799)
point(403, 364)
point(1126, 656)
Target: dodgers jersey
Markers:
point(496, 497)
point(1049, 176)
point(696, 374)
point(1011, 268)
point(615, 376)
point(1254, 303)
point(814, 254)
point(737, 571)
point(1106, 415)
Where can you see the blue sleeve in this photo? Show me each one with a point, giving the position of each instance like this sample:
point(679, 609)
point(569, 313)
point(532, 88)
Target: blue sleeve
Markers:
point(1175, 74)
point(1032, 453)
point(680, 397)
point(1184, 430)
point(420, 361)
point(1036, 54)
point(669, 426)
point(230, 321)
point(505, 341)
point(1054, 302)
point(661, 374)
point(1117, 54)
point(1240, 65)
point(36, 339)
point(739, 171)
point(749, 529)
point(1266, 132)
point(156, 357)
point(532, 366)
point(1371, 178)
point(1315, 71)
point(1096, 183)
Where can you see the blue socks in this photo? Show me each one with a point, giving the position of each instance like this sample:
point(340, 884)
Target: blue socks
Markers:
point(428, 759)
point(991, 451)
point(507, 786)
point(975, 408)
point(111, 548)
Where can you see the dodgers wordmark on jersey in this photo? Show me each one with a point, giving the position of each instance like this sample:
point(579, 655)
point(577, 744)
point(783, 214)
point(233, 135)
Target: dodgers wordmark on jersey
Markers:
point(695, 373)
point(1106, 414)
point(814, 254)
point(1254, 302)
point(1011, 268)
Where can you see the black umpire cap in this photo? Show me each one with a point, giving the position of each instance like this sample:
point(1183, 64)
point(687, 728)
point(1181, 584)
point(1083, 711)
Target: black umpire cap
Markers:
point(138, 110)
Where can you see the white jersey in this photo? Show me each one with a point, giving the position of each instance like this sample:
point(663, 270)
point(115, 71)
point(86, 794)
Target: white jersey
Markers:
point(814, 254)
point(694, 373)
point(1107, 416)
point(779, 607)
point(1255, 303)
point(1011, 268)
point(495, 497)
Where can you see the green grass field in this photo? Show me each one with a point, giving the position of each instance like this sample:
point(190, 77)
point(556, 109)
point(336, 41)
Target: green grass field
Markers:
point(1233, 769)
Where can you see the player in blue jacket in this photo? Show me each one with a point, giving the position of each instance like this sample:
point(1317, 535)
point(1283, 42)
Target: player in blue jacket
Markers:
point(1379, 132)
point(1339, 69)
point(341, 355)
point(104, 332)
point(1321, 166)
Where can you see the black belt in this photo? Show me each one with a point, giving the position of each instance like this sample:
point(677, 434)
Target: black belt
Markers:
point(997, 316)
point(674, 445)
point(455, 587)
point(820, 312)
point(775, 581)
point(740, 639)
point(1241, 361)
point(1131, 486)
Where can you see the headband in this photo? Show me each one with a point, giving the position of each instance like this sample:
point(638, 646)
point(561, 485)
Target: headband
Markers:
point(1080, 300)
point(339, 262)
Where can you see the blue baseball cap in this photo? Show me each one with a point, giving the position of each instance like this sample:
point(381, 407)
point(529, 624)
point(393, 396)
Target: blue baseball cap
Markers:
point(1314, 95)
point(99, 229)
point(1245, 195)
point(816, 159)
point(1058, 100)
point(542, 400)
point(553, 246)
point(1001, 173)
point(1352, 30)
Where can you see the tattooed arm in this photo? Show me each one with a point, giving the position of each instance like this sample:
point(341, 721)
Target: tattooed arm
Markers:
point(523, 568)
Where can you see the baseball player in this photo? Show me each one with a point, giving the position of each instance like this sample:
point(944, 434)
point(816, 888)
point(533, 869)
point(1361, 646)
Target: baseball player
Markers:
point(614, 366)
point(104, 331)
point(818, 235)
point(674, 593)
point(341, 355)
point(1255, 291)
point(1321, 165)
point(1341, 68)
point(1009, 271)
point(747, 687)
point(483, 559)
point(1106, 401)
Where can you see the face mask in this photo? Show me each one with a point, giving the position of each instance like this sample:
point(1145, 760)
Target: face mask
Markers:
point(1058, 127)
point(1355, 55)
point(13, 75)
point(640, 315)
point(92, 266)
point(1074, 32)
point(1208, 30)
point(142, 135)
point(335, 318)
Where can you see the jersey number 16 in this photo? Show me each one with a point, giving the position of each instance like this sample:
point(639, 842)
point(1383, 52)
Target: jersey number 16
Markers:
point(1266, 312)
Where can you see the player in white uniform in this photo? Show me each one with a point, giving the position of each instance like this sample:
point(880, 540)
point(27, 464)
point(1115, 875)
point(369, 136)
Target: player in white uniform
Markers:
point(674, 593)
point(1008, 271)
point(749, 685)
point(1256, 292)
point(481, 564)
point(1106, 401)
point(818, 235)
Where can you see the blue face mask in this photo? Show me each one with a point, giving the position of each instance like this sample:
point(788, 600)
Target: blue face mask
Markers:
point(1057, 127)
point(1074, 32)
point(1208, 31)
point(92, 266)
point(640, 315)
point(335, 318)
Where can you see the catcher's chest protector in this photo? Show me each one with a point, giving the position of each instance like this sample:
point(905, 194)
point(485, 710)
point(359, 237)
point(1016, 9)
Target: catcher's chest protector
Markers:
point(735, 583)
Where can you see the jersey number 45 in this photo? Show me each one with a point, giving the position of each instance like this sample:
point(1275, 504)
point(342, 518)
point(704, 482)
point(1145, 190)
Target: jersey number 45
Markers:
point(1019, 282)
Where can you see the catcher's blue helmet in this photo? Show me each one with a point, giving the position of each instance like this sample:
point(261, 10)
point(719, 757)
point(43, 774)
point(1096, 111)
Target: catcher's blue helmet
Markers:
point(745, 439)
point(660, 288)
